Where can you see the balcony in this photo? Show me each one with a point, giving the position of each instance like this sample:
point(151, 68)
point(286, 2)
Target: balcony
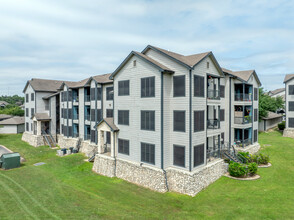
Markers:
point(241, 97)
point(243, 120)
point(213, 148)
point(87, 98)
point(75, 99)
point(213, 94)
point(213, 124)
point(87, 117)
point(76, 117)
point(87, 137)
point(243, 143)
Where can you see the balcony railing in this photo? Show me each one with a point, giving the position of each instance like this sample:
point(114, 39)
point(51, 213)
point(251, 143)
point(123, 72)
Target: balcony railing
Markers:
point(212, 154)
point(87, 136)
point(243, 143)
point(243, 97)
point(213, 94)
point(212, 123)
point(87, 117)
point(75, 99)
point(243, 120)
point(87, 98)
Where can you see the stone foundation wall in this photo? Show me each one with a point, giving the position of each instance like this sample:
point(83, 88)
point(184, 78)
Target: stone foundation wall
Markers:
point(191, 183)
point(104, 165)
point(252, 149)
point(88, 148)
point(34, 140)
point(146, 176)
point(65, 142)
point(288, 132)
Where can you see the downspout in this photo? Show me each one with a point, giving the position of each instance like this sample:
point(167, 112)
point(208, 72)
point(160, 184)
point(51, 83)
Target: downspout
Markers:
point(96, 136)
point(230, 114)
point(67, 113)
point(252, 112)
point(161, 127)
point(190, 120)
point(113, 131)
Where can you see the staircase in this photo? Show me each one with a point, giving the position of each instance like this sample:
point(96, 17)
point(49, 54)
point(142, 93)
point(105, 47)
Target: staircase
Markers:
point(229, 152)
point(48, 139)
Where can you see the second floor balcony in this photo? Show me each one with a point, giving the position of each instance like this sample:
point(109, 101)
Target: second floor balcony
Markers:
point(213, 94)
point(213, 123)
point(243, 92)
point(243, 114)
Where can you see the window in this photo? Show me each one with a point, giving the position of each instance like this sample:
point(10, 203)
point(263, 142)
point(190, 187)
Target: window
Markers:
point(62, 129)
point(92, 94)
point(179, 86)
point(148, 87)
point(148, 120)
point(69, 95)
point(207, 65)
point(222, 115)
point(109, 93)
point(222, 91)
point(62, 113)
point(123, 117)
point(108, 137)
point(179, 155)
point(27, 97)
point(123, 146)
point(124, 87)
point(99, 93)
point(255, 94)
point(92, 114)
point(69, 110)
point(198, 155)
point(32, 96)
point(180, 121)
point(46, 105)
point(222, 138)
point(291, 123)
point(148, 153)
point(291, 89)
point(134, 63)
point(70, 131)
point(198, 121)
point(27, 126)
point(291, 106)
point(27, 112)
point(255, 114)
point(62, 96)
point(109, 113)
point(255, 135)
point(99, 115)
point(198, 86)
point(93, 133)
point(32, 112)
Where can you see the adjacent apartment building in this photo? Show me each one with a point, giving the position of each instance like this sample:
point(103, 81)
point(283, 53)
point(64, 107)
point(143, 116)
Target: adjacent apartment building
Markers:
point(289, 105)
point(161, 119)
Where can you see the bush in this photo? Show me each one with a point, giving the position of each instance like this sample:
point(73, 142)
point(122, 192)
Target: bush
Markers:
point(260, 158)
point(281, 125)
point(245, 157)
point(237, 169)
point(252, 168)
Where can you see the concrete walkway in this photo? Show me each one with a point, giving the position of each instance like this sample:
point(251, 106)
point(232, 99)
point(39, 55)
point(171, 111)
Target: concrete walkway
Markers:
point(4, 150)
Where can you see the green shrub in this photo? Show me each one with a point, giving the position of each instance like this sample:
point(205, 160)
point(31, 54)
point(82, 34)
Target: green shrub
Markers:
point(260, 158)
point(282, 125)
point(237, 169)
point(245, 157)
point(252, 168)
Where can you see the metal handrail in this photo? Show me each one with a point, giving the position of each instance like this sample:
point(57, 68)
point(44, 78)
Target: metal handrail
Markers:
point(243, 97)
point(212, 123)
point(243, 120)
point(213, 94)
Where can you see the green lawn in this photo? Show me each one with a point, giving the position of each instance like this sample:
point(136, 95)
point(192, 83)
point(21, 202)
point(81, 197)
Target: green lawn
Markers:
point(66, 188)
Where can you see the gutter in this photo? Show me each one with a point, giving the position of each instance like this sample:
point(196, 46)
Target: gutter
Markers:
point(190, 120)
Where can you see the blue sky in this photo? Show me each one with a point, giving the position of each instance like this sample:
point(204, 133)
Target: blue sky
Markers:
point(72, 40)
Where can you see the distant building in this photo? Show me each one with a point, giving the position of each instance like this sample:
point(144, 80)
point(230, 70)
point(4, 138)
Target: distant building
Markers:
point(289, 105)
point(3, 104)
point(277, 93)
point(271, 121)
point(4, 116)
point(12, 125)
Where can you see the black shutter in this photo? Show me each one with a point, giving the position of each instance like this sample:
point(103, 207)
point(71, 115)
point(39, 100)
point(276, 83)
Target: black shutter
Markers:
point(222, 115)
point(27, 126)
point(108, 137)
point(27, 112)
point(109, 113)
point(179, 155)
point(27, 97)
point(222, 138)
point(255, 135)
point(222, 91)
point(180, 121)
point(291, 106)
point(198, 155)
point(199, 86)
point(92, 114)
point(255, 94)
point(99, 93)
point(291, 123)
point(69, 113)
point(99, 115)
point(198, 121)
point(291, 89)
point(179, 86)
point(92, 94)
point(255, 114)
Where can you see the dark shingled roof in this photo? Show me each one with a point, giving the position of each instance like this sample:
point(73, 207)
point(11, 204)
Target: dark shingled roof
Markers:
point(41, 116)
point(44, 85)
point(288, 77)
point(243, 75)
point(13, 121)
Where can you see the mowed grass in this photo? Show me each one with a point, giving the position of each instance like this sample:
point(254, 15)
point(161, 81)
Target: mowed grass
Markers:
point(66, 188)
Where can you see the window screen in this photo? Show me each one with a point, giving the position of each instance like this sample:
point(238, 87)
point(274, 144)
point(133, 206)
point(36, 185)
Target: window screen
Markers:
point(198, 155)
point(255, 94)
point(32, 97)
point(179, 155)
point(179, 86)
point(148, 87)
point(222, 91)
point(291, 106)
point(32, 112)
point(93, 134)
point(99, 115)
point(123, 117)
point(123, 146)
point(291, 123)
point(148, 120)
point(92, 94)
point(108, 137)
point(199, 86)
point(99, 93)
point(92, 113)
point(27, 97)
point(255, 114)
point(291, 89)
point(109, 93)
point(69, 113)
point(148, 153)
point(180, 121)
point(124, 87)
point(27, 112)
point(198, 121)
point(109, 113)
point(27, 126)
point(70, 131)
point(222, 115)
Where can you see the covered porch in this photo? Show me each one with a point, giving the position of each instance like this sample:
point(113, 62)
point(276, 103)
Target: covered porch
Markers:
point(41, 123)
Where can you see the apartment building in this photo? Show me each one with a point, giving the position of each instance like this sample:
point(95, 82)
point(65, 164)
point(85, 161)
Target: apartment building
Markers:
point(289, 105)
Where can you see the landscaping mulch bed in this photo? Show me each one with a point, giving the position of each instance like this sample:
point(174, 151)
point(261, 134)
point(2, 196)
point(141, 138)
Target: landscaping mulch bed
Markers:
point(255, 177)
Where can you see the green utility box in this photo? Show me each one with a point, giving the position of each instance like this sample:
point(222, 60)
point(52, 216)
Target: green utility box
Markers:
point(10, 160)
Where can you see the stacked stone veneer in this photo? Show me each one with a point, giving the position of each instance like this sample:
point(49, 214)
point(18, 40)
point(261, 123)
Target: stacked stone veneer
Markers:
point(288, 132)
point(88, 148)
point(34, 140)
point(172, 179)
point(65, 142)
point(252, 149)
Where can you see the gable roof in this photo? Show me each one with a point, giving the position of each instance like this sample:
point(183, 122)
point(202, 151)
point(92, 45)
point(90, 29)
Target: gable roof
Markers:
point(72, 84)
point(13, 121)
point(149, 60)
point(4, 103)
point(101, 79)
point(288, 77)
point(51, 95)
point(43, 85)
point(189, 61)
point(4, 116)
point(242, 75)
point(41, 116)
point(272, 115)
point(109, 122)
point(276, 91)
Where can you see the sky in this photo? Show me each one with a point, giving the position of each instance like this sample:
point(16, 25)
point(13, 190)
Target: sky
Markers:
point(72, 40)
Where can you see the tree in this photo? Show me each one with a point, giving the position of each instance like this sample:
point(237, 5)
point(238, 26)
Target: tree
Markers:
point(267, 103)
